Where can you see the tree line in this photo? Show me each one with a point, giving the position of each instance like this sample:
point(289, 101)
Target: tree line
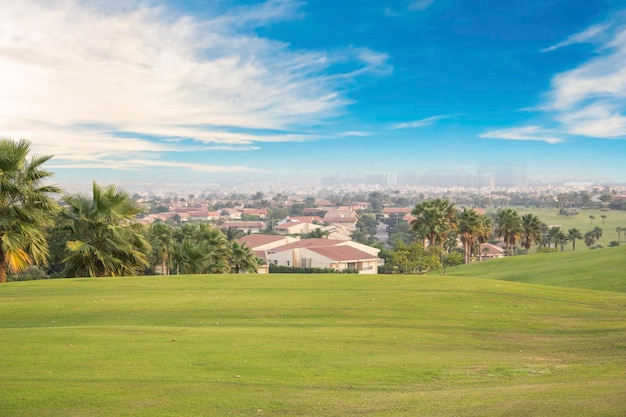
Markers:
point(96, 235)
point(431, 240)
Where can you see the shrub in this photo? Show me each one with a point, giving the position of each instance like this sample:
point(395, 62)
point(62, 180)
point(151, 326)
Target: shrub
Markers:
point(613, 243)
point(31, 273)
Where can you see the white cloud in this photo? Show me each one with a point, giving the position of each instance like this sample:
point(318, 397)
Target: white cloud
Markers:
point(420, 4)
point(532, 133)
point(588, 35)
point(75, 73)
point(589, 100)
point(419, 123)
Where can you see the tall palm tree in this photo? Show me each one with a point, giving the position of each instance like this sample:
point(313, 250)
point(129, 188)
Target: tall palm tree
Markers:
point(509, 226)
point(590, 239)
point(619, 231)
point(26, 207)
point(434, 221)
point(572, 235)
point(531, 230)
point(107, 240)
point(486, 228)
point(469, 228)
point(160, 238)
point(597, 232)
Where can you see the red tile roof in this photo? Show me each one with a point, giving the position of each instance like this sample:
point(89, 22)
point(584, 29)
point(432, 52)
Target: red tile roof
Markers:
point(342, 253)
point(256, 240)
point(309, 243)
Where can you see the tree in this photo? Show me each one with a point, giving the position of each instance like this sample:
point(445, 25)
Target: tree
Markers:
point(509, 226)
point(413, 258)
point(592, 218)
point(486, 228)
point(26, 207)
point(434, 221)
point(317, 233)
point(556, 235)
point(201, 249)
point(603, 218)
point(160, 238)
point(572, 235)
point(469, 228)
point(619, 231)
point(107, 240)
point(531, 230)
point(242, 259)
point(590, 239)
point(597, 232)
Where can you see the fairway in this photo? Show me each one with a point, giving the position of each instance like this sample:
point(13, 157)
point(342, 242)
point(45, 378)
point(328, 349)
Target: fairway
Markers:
point(310, 345)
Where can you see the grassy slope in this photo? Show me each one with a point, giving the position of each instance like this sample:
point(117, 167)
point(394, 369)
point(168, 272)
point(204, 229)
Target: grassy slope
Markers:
point(599, 269)
point(309, 345)
point(614, 218)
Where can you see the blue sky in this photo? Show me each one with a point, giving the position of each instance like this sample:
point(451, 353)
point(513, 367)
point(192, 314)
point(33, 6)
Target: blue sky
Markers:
point(205, 90)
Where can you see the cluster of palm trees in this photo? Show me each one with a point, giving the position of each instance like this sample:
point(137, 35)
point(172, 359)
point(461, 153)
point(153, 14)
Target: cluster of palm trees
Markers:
point(96, 235)
point(438, 222)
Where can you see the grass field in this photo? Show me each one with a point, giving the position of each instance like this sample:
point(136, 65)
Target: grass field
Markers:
point(598, 269)
point(614, 218)
point(310, 345)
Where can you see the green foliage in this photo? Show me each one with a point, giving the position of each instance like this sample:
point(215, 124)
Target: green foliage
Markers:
point(26, 207)
point(281, 269)
point(412, 258)
point(31, 273)
point(105, 239)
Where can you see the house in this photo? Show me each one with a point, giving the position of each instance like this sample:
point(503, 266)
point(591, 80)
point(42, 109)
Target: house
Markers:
point(347, 217)
point(397, 211)
point(253, 212)
point(246, 226)
point(326, 253)
point(489, 251)
point(298, 225)
point(259, 244)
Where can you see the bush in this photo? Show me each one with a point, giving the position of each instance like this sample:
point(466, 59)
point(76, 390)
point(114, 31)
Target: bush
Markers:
point(31, 273)
point(613, 243)
point(279, 269)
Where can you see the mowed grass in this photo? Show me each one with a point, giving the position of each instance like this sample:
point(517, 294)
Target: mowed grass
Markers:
point(614, 218)
point(599, 269)
point(310, 345)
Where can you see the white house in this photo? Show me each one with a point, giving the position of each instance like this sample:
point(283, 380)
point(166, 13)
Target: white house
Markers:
point(326, 253)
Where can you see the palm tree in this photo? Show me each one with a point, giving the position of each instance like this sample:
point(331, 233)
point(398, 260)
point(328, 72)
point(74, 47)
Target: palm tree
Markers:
point(590, 239)
point(434, 221)
point(26, 208)
point(469, 228)
point(603, 217)
point(531, 230)
point(107, 241)
point(556, 235)
point(201, 249)
point(242, 258)
point(572, 235)
point(317, 233)
point(160, 238)
point(509, 226)
point(592, 218)
point(619, 231)
point(486, 228)
point(597, 232)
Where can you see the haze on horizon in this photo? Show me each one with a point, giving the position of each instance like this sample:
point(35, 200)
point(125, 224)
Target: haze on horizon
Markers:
point(154, 91)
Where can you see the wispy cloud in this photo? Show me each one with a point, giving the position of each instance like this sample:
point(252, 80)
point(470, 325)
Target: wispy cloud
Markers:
point(420, 4)
point(590, 34)
point(532, 133)
point(589, 100)
point(74, 73)
point(419, 123)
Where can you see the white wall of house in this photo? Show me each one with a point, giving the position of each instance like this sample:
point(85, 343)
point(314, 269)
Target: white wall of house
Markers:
point(305, 258)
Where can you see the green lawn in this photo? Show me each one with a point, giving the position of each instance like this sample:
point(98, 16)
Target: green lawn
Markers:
point(614, 218)
point(598, 269)
point(310, 345)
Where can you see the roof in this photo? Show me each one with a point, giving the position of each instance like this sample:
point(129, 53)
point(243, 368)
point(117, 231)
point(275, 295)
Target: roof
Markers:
point(342, 253)
point(256, 240)
point(261, 254)
point(306, 219)
point(397, 210)
point(245, 224)
point(309, 243)
point(489, 249)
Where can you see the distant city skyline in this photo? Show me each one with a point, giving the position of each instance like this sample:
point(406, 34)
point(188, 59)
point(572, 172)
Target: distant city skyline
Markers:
point(214, 92)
